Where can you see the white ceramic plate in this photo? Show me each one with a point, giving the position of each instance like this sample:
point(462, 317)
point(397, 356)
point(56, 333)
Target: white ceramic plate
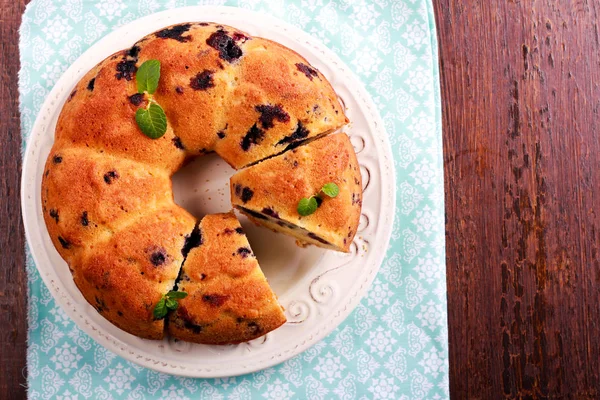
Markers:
point(318, 288)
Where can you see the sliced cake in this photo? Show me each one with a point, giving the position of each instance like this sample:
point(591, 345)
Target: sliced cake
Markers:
point(270, 192)
point(228, 298)
point(107, 197)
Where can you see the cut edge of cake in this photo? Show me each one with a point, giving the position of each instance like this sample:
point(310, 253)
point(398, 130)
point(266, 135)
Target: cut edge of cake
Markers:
point(229, 300)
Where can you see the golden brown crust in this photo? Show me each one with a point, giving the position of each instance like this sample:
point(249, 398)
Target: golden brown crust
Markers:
point(306, 107)
point(112, 180)
point(88, 195)
point(229, 299)
point(103, 119)
point(195, 114)
point(278, 184)
point(124, 277)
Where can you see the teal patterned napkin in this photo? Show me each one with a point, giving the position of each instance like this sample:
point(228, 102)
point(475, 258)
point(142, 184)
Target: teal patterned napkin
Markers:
point(394, 345)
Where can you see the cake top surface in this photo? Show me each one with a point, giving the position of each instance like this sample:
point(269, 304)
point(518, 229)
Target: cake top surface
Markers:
point(222, 90)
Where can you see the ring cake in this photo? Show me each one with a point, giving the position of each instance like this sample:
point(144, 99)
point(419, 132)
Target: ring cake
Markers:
point(107, 196)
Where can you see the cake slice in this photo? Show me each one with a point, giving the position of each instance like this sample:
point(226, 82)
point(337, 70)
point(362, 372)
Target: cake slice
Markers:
point(269, 192)
point(229, 299)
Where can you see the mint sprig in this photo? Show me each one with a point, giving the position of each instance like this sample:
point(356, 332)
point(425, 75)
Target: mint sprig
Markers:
point(331, 189)
point(152, 120)
point(160, 310)
point(307, 206)
point(177, 295)
point(168, 302)
point(147, 76)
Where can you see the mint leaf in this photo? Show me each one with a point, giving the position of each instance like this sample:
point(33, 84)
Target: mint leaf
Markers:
point(307, 206)
point(147, 76)
point(171, 304)
point(331, 189)
point(152, 121)
point(160, 310)
point(177, 295)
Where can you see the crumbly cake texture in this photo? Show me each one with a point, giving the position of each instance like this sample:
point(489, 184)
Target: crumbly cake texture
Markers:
point(106, 191)
point(229, 299)
point(269, 192)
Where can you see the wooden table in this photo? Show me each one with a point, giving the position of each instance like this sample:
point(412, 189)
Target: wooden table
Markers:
point(521, 102)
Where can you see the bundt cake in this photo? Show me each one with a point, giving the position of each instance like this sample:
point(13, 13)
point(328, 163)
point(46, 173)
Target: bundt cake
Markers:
point(107, 196)
point(270, 191)
point(229, 299)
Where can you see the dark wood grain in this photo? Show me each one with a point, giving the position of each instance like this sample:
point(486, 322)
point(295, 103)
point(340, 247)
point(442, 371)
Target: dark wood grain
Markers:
point(522, 168)
point(13, 288)
point(521, 123)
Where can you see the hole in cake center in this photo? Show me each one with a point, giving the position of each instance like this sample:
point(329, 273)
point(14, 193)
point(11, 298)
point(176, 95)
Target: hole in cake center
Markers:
point(202, 187)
